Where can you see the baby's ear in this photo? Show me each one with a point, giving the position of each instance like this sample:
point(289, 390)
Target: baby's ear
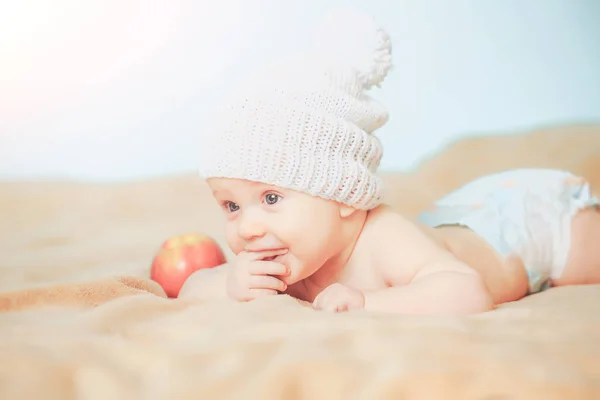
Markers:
point(346, 211)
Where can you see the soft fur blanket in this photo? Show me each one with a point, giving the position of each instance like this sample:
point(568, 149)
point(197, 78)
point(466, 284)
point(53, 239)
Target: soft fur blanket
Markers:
point(80, 319)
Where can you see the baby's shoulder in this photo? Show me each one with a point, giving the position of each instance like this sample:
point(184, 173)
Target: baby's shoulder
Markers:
point(397, 244)
point(384, 224)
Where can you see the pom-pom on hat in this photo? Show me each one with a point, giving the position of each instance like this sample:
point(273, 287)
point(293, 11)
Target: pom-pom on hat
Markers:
point(306, 122)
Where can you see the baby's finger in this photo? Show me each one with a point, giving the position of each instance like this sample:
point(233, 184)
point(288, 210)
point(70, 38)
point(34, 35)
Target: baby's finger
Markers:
point(266, 282)
point(268, 268)
point(318, 301)
point(331, 306)
point(341, 307)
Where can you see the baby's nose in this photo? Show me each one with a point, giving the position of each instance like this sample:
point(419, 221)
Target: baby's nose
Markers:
point(251, 226)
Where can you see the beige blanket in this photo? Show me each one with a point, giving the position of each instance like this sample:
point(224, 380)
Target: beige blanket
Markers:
point(81, 320)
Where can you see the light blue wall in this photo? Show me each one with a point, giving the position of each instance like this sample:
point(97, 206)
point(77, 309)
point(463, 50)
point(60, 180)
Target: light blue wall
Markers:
point(115, 90)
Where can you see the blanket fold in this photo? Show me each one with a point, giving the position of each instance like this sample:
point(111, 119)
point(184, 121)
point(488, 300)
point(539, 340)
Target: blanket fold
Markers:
point(84, 294)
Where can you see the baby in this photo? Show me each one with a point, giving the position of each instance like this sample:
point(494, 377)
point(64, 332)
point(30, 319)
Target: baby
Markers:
point(292, 163)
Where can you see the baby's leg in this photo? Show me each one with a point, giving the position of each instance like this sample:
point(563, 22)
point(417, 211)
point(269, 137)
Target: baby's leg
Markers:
point(583, 262)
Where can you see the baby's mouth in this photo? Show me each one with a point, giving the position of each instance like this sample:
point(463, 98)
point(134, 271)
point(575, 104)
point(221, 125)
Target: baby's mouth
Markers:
point(277, 257)
point(272, 258)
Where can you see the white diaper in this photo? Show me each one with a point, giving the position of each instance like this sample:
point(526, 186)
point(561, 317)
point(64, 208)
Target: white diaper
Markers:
point(523, 212)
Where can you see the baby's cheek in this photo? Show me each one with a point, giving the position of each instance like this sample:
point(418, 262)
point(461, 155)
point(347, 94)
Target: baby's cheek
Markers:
point(288, 228)
point(304, 226)
point(302, 233)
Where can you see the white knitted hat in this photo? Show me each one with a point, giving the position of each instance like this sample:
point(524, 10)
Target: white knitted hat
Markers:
point(307, 124)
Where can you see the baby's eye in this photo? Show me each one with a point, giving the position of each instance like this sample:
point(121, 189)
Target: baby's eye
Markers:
point(272, 198)
point(231, 206)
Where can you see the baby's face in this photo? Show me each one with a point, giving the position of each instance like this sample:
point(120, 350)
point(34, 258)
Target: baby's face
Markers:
point(263, 217)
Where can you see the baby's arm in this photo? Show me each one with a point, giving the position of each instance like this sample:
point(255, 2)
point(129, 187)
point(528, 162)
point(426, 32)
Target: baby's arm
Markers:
point(206, 284)
point(446, 286)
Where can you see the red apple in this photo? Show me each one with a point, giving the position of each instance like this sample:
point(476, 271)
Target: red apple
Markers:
point(182, 255)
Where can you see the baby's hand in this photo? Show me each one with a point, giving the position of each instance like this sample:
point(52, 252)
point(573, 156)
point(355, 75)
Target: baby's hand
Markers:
point(338, 297)
point(251, 277)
